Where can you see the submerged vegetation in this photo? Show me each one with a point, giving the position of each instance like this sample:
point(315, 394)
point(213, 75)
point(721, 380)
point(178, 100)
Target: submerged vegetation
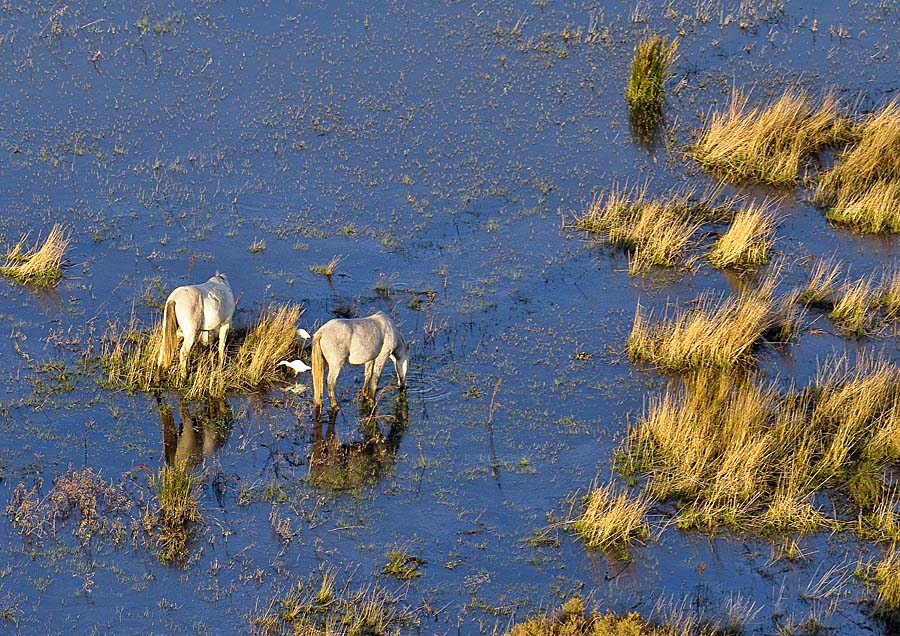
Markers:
point(768, 144)
point(39, 267)
point(129, 358)
point(318, 606)
point(175, 509)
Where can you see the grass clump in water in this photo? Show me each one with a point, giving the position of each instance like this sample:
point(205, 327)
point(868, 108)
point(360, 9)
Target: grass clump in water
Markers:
point(402, 565)
point(319, 607)
point(768, 144)
point(40, 268)
point(327, 270)
point(821, 287)
point(853, 308)
point(734, 451)
point(611, 519)
point(887, 584)
point(863, 188)
point(719, 333)
point(176, 507)
point(129, 358)
point(748, 240)
point(650, 68)
point(654, 232)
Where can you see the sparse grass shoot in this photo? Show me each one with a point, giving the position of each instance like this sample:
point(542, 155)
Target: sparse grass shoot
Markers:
point(41, 267)
point(821, 287)
point(176, 506)
point(327, 270)
point(768, 144)
point(887, 582)
point(853, 308)
point(402, 565)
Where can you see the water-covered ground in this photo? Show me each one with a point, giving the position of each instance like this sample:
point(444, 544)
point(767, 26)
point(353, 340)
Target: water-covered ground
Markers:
point(442, 150)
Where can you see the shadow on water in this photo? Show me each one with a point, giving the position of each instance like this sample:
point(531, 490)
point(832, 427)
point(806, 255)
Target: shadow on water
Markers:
point(336, 465)
point(205, 427)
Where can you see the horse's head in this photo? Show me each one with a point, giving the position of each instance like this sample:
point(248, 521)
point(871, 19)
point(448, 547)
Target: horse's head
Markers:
point(400, 356)
point(219, 276)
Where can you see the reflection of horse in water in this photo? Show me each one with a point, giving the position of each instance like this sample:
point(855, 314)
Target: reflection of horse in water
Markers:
point(205, 427)
point(336, 465)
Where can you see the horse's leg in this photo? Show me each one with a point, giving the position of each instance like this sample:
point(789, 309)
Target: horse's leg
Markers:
point(223, 332)
point(367, 377)
point(334, 370)
point(377, 366)
point(189, 336)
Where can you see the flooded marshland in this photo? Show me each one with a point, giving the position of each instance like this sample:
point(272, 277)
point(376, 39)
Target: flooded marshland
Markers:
point(437, 156)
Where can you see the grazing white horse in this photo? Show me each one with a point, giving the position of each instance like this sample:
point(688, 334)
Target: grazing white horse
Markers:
point(193, 309)
point(369, 341)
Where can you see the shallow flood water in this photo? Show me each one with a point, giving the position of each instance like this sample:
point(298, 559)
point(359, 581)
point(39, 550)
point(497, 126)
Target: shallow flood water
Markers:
point(442, 151)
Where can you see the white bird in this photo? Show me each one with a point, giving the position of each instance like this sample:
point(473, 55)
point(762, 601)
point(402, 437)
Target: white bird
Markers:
point(303, 333)
point(298, 366)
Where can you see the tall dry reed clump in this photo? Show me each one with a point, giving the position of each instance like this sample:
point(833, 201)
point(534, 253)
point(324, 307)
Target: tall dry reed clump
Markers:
point(748, 241)
point(718, 333)
point(40, 267)
point(735, 452)
point(129, 358)
point(653, 231)
point(863, 188)
point(768, 144)
point(611, 519)
point(650, 69)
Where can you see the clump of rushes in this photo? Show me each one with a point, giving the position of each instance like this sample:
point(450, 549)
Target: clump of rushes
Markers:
point(821, 286)
point(852, 310)
point(768, 144)
point(719, 333)
point(176, 492)
point(312, 607)
point(572, 619)
point(40, 268)
point(402, 565)
point(748, 240)
point(887, 583)
point(129, 358)
point(651, 67)
point(612, 519)
point(863, 188)
point(890, 294)
point(734, 451)
point(655, 232)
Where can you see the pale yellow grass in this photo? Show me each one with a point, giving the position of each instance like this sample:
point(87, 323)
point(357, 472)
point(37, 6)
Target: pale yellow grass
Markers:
point(852, 310)
point(611, 518)
point(822, 286)
point(768, 144)
point(749, 239)
point(40, 267)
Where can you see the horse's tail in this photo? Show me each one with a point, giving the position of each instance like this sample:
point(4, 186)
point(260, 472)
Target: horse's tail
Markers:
point(318, 369)
point(169, 337)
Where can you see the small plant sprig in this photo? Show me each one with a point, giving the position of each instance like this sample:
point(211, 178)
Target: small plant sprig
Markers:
point(651, 67)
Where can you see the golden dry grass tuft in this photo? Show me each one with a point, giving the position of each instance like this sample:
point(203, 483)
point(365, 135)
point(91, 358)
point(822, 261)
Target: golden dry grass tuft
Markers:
point(735, 451)
point(887, 583)
point(821, 286)
point(768, 144)
point(748, 241)
point(719, 333)
point(611, 519)
point(129, 358)
point(863, 188)
point(852, 311)
point(41, 267)
point(655, 232)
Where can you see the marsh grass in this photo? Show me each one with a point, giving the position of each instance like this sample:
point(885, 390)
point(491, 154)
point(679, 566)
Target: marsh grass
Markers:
point(768, 144)
point(655, 232)
point(718, 333)
point(853, 308)
point(863, 188)
point(320, 607)
point(402, 565)
point(611, 519)
point(748, 241)
point(327, 270)
point(650, 69)
point(821, 286)
point(572, 619)
point(129, 355)
point(39, 267)
point(735, 451)
point(174, 509)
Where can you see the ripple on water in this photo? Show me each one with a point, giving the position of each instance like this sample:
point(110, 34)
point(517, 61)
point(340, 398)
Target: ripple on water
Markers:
point(427, 387)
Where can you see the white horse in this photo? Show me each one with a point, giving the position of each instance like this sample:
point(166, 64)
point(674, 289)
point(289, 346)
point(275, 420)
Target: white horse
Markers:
point(193, 309)
point(369, 341)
